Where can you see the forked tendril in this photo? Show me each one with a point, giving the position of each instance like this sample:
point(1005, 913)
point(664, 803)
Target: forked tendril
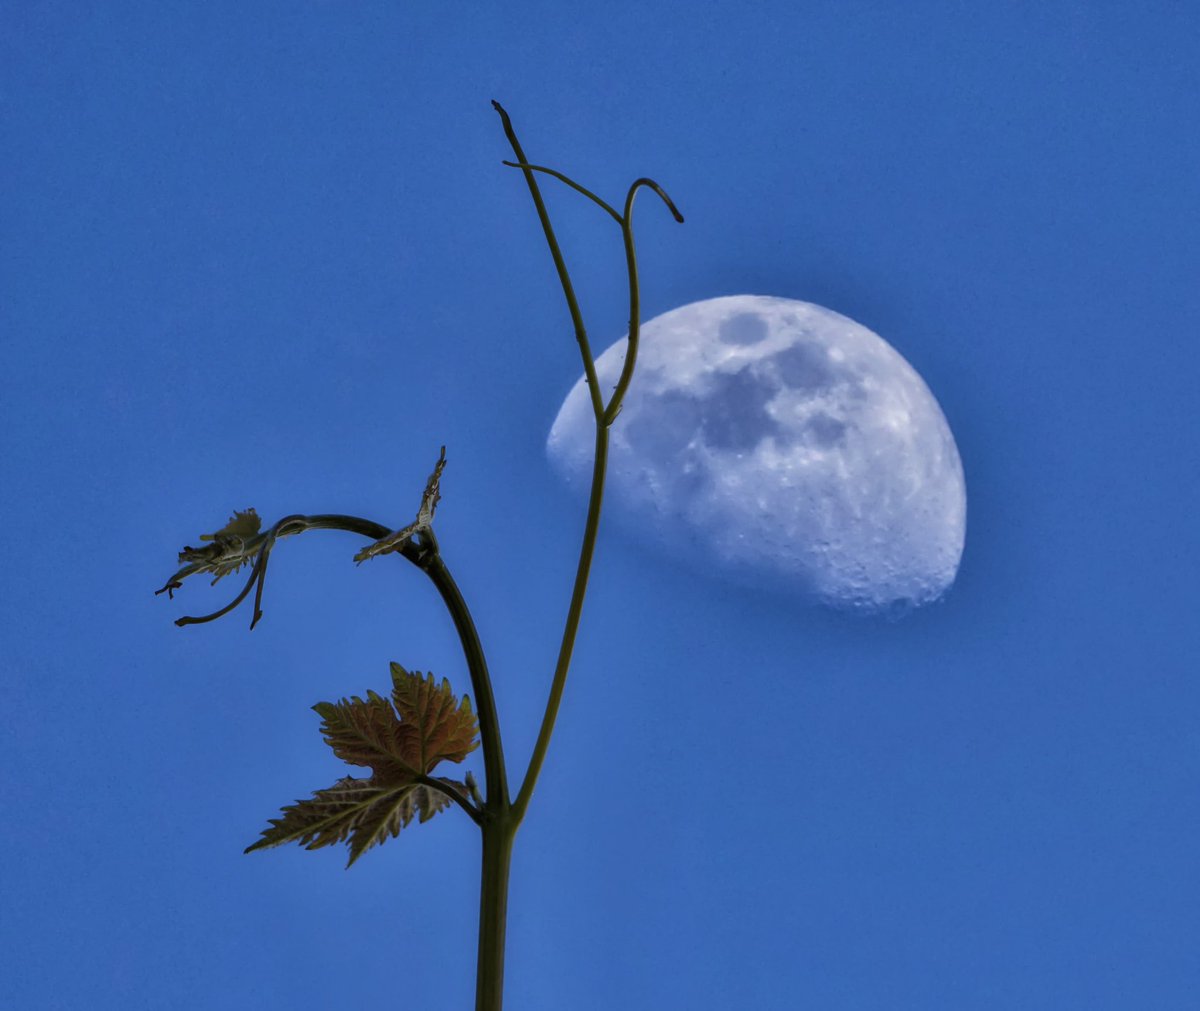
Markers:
point(604, 204)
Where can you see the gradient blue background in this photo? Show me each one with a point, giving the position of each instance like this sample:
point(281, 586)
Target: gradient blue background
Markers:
point(267, 255)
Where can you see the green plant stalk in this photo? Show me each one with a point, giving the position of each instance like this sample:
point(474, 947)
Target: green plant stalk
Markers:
point(427, 557)
point(495, 820)
point(497, 825)
point(605, 415)
point(574, 613)
point(560, 266)
point(599, 465)
point(498, 816)
point(496, 856)
point(502, 819)
point(498, 836)
point(495, 776)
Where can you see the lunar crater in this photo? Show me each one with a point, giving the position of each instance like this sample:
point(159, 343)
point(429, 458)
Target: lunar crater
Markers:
point(743, 328)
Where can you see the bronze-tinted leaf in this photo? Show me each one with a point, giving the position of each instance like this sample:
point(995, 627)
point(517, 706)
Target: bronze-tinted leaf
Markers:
point(362, 812)
point(367, 732)
point(447, 725)
point(400, 740)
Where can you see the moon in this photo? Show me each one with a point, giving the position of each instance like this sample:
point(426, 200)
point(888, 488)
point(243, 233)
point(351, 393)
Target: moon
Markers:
point(778, 444)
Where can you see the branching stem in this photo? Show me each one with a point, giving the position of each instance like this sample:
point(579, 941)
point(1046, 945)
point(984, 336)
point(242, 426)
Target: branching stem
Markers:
point(583, 570)
point(605, 415)
point(497, 838)
point(589, 363)
point(603, 204)
point(497, 816)
point(425, 556)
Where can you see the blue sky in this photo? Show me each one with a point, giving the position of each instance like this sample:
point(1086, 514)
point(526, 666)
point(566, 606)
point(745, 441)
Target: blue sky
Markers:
point(270, 257)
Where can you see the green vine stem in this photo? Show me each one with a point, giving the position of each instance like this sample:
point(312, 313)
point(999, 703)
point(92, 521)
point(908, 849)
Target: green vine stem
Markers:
point(497, 816)
point(423, 552)
point(604, 414)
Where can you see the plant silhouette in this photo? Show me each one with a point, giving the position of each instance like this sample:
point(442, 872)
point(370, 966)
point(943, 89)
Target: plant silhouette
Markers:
point(403, 738)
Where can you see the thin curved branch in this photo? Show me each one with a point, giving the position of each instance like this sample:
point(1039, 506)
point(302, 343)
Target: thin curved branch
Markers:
point(351, 524)
point(650, 184)
point(604, 419)
point(613, 408)
point(570, 182)
point(495, 771)
point(262, 579)
point(587, 550)
point(589, 362)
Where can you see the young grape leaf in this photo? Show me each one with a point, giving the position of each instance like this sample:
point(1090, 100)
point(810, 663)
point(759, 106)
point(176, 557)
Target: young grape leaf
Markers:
point(242, 524)
point(424, 521)
point(231, 547)
point(449, 726)
point(401, 741)
point(361, 811)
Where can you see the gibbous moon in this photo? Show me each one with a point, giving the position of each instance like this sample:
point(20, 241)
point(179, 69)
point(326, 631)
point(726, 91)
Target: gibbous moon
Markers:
point(779, 444)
